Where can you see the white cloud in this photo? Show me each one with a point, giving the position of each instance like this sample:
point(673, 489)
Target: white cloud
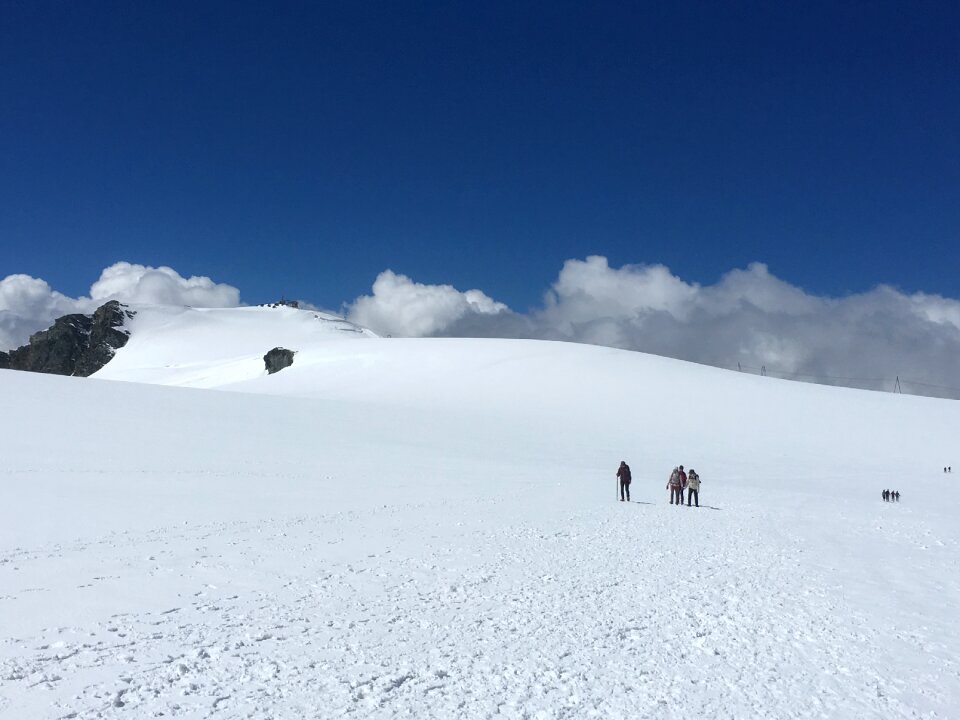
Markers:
point(749, 316)
point(402, 307)
point(28, 304)
point(590, 290)
point(937, 309)
point(160, 286)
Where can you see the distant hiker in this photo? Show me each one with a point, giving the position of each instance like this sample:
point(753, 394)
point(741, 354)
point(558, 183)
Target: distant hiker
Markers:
point(896, 495)
point(675, 484)
point(944, 469)
point(683, 483)
point(624, 474)
point(884, 495)
point(693, 487)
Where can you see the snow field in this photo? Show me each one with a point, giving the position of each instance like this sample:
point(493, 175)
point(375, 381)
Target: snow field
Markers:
point(487, 608)
point(428, 529)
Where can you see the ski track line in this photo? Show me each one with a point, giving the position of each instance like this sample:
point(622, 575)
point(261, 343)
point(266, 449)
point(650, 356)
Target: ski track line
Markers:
point(626, 611)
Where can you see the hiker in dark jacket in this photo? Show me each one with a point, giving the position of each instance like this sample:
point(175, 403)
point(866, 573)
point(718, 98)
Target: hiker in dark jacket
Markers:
point(624, 474)
point(683, 483)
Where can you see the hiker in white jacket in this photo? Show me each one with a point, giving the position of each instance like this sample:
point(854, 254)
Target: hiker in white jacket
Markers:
point(693, 487)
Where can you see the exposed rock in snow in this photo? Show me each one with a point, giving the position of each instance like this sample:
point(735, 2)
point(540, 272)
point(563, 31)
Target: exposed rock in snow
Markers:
point(278, 359)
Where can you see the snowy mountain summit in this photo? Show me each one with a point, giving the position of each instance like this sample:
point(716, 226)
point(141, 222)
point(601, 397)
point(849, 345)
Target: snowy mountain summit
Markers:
point(172, 337)
point(431, 528)
point(200, 347)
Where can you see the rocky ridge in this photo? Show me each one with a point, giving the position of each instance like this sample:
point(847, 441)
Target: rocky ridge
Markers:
point(75, 344)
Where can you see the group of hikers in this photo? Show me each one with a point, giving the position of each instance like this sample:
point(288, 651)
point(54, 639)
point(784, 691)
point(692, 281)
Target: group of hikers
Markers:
point(891, 496)
point(948, 469)
point(678, 482)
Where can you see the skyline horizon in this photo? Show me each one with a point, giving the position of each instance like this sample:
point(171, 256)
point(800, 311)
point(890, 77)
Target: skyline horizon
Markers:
point(749, 320)
point(773, 185)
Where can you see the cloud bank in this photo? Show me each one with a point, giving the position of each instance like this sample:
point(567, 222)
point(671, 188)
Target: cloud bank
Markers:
point(748, 318)
point(28, 304)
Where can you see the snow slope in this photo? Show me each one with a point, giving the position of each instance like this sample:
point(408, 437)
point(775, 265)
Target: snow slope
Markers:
point(200, 347)
point(427, 528)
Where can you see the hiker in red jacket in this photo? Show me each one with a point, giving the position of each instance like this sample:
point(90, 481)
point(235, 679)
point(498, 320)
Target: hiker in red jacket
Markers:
point(675, 484)
point(624, 474)
point(683, 483)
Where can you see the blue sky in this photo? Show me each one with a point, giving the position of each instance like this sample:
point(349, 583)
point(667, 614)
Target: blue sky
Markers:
point(304, 148)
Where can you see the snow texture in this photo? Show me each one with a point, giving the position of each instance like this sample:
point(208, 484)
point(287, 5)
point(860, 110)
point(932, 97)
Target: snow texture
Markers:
point(428, 528)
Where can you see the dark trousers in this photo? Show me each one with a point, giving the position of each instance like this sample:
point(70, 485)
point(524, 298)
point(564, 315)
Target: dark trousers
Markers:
point(624, 488)
point(693, 495)
point(676, 492)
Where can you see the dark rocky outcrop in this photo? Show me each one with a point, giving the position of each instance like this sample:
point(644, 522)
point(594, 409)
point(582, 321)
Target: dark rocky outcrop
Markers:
point(75, 344)
point(282, 302)
point(278, 359)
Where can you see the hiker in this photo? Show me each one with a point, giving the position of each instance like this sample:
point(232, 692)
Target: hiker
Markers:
point(896, 495)
point(683, 483)
point(693, 487)
point(624, 474)
point(884, 495)
point(676, 487)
